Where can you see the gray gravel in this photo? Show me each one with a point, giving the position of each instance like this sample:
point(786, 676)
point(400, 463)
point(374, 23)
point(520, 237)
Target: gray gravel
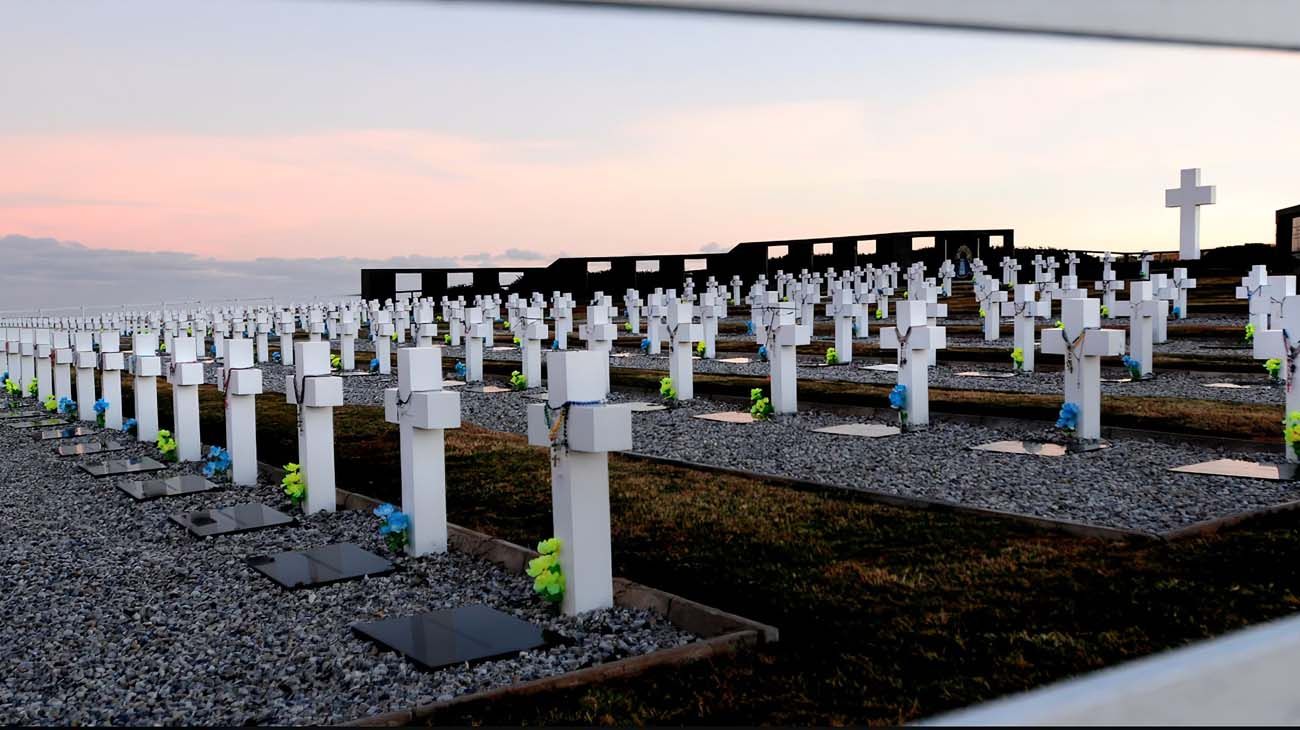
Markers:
point(113, 615)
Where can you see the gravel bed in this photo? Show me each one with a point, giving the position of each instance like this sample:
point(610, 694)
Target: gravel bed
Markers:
point(114, 615)
point(1126, 486)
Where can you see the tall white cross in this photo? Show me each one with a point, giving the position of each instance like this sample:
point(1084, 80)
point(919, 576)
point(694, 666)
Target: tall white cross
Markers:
point(423, 411)
point(682, 335)
point(478, 333)
point(1083, 343)
point(1188, 197)
point(146, 366)
point(111, 363)
point(914, 339)
point(1252, 290)
point(317, 394)
point(784, 336)
point(532, 331)
point(84, 342)
point(990, 297)
point(581, 429)
point(185, 373)
point(1024, 312)
point(844, 308)
point(1142, 310)
point(242, 383)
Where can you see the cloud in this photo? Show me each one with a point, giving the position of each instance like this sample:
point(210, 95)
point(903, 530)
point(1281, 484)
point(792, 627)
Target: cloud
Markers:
point(50, 274)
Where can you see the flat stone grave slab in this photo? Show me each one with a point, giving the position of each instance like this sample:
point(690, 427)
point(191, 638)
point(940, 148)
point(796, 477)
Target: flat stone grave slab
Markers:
point(90, 447)
point(1115, 381)
point(646, 407)
point(231, 520)
point(501, 349)
point(542, 395)
point(354, 373)
point(883, 368)
point(66, 433)
point(1230, 386)
point(40, 423)
point(486, 389)
point(114, 467)
point(159, 488)
point(320, 566)
point(1039, 448)
point(735, 360)
point(452, 383)
point(454, 636)
point(978, 374)
point(866, 430)
point(620, 354)
point(728, 417)
point(25, 413)
point(1238, 468)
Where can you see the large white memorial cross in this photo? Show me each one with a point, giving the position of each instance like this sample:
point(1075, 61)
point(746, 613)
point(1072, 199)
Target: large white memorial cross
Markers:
point(478, 332)
point(242, 383)
point(1188, 197)
point(785, 336)
point(532, 332)
point(1181, 284)
point(580, 429)
point(844, 307)
point(914, 339)
point(990, 297)
point(1252, 290)
point(1083, 343)
point(713, 304)
point(317, 394)
point(146, 366)
point(422, 411)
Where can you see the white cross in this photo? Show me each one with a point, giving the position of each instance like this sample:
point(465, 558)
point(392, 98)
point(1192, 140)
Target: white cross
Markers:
point(1252, 289)
point(1282, 343)
point(682, 334)
point(242, 383)
point(1142, 310)
point(1071, 261)
point(580, 429)
point(1181, 286)
point(1024, 311)
point(784, 336)
point(844, 307)
point(1188, 197)
point(1083, 344)
point(632, 302)
point(316, 394)
point(423, 411)
point(990, 297)
point(111, 364)
point(532, 331)
point(914, 339)
point(185, 373)
point(713, 304)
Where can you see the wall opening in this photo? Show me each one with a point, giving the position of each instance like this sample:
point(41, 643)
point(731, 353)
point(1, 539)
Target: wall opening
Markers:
point(922, 243)
point(408, 282)
point(695, 264)
point(647, 267)
point(823, 249)
point(598, 267)
point(867, 248)
point(506, 278)
point(460, 278)
point(777, 252)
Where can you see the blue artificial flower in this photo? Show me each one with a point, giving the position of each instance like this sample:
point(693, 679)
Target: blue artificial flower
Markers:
point(749, 327)
point(1130, 363)
point(214, 452)
point(898, 397)
point(212, 350)
point(645, 345)
point(374, 364)
point(385, 529)
point(209, 469)
point(384, 510)
point(398, 522)
point(555, 344)
point(1069, 417)
point(1178, 311)
point(101, 405)
point(275, 357)
point(129, 424)
point(460, 368)
point(762, 352)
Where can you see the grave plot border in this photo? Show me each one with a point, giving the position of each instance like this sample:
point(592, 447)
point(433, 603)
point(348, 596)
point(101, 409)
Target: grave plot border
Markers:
point(722, 633)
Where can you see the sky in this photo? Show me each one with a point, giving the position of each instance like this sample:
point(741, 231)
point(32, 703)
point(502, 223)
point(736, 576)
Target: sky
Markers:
point(205, 137)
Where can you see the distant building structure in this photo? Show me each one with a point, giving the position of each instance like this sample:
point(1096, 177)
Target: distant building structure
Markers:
point(613, 274)
point(1288, 230)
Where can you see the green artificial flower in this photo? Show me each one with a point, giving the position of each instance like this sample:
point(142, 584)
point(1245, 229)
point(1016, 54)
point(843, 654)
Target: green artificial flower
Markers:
point(518, 380)
point(1018, 357)
point(982, 312)
point(336, 362)
point(832, 356)
point(1060, 325)
point(880, 312)
point(1250, 332)
point(166, 445)
point(627, 326)
point(1105, 311)
point(293, 484)
point(666, 389)
point(700, 348)
point(51, 404)
point(1274, 368)
point(1291, 431)
point(446, 339)
point(548, 577)
point(33, 388)
point(760, 406)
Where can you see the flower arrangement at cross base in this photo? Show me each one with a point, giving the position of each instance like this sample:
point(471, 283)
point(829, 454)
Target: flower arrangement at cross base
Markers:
point(749, 327)
point(395, 528)
point(101, 412)
point(1105, 311)
point(13, 391)
point(1068, 419)
point(131, 426)
point(1274, 368)
point(374, 365)
point(292, 483)
point(218, 463)
point(627, 327)
point(516, 341)
point(701, 348)
point(518, 380)
point(446, 339)
point(666, 389)
point(832, 356)
point(1060, 325)
point(51, 405)
point(760, 406)
point(166, 445)
point(276, 357)
point(645, 345)
point(336, 362)
point(880, 312)
point(33, 388)
point(1134, 367)
point(1250, 332)
point(1178, 312)
point(67, 407)
point(898, 401)
point(1018, 359)
point(460, 369)
point(393, 337)
point(762, 353)
point(548, 578)
point(983, 313)
point(506, 325)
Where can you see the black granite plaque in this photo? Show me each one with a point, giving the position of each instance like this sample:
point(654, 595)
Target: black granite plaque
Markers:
point(22, 413)
point(39, 423)
point(114, 467)
point(467, 634)
point(90, 447)
point(175, 486)
point(231, 520)
point(67, 432)
point(320, 566)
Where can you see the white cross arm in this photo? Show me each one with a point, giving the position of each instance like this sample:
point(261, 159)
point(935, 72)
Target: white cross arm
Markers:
point(1095, 342)
point(920, 337)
